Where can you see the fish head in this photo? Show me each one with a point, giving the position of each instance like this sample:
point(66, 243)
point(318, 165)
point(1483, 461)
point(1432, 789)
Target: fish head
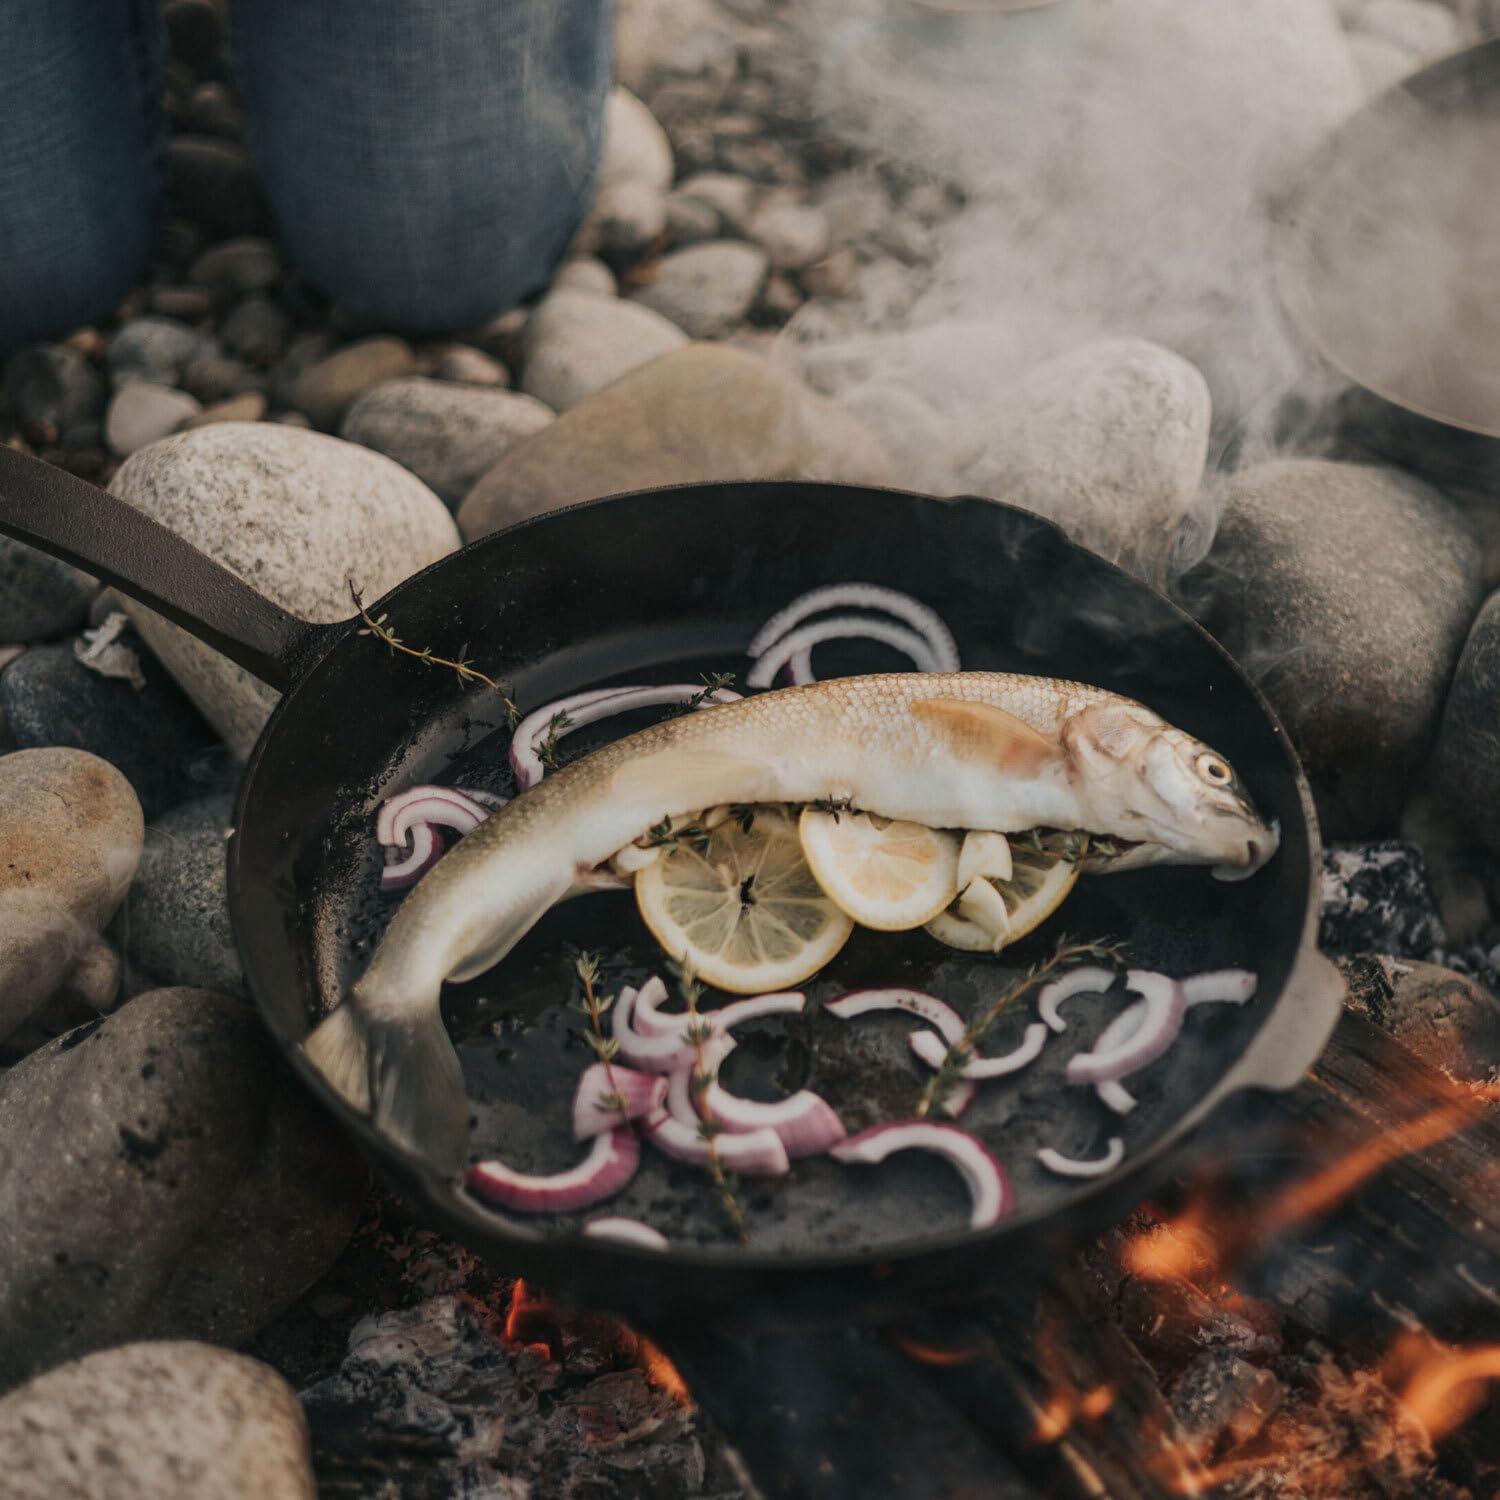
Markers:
point(1170, 796)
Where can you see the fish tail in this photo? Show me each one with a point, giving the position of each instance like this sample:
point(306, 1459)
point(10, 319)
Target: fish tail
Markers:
point(396, 1064)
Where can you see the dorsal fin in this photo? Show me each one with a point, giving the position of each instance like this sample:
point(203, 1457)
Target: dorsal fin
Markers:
point(984, 731)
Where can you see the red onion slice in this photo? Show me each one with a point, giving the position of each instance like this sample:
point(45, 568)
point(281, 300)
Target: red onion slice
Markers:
point(610, 1164)
point(1158, 1029)
point(653, 1054)
point(989, 1187)
point(757, 1153)
point(938, 637)
point(625, 1231)
point(932, 1052)
point(444, 805)
point(407, 869)
point(684, 1104)
point(1116, 1096)
point(1069, 1166)
point(804, 1121)
point(842, 627)
point(649, 1020)
point(1088, 980)
point(925, 1007)
point(1225, 986)
point(609, 1095)
point(588, 708)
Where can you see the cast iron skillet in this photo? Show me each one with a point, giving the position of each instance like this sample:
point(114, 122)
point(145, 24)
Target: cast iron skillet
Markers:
point(1374, 178)
point(665, 584)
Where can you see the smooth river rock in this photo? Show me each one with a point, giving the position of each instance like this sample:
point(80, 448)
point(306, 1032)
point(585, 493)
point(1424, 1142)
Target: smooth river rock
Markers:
point(175, 922)
point(1346, 590)
point(707, 289)
point(1109, 440)
point(70, 840)
point(1467, 764)
point(142, 412)
point(169, 1420)
point(295, 513)
point(150, 730)
point(703, 412)
point(577, 343)
point(447, 434)
point(39, 596)
point(635, 146)
point(161, 1176)
point(325, 388)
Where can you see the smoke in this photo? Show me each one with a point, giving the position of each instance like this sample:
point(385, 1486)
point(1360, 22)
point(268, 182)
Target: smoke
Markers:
point(1120, 162)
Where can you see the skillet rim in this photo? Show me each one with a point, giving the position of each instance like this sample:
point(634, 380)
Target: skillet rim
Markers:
point(443, 1201)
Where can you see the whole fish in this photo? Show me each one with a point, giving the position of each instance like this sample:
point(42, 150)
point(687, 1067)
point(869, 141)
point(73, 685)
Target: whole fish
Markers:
point(965, 750)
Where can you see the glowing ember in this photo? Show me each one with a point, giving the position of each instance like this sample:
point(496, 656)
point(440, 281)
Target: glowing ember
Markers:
point(663, 1374)
point(935, 1354)
point(1441, 1387)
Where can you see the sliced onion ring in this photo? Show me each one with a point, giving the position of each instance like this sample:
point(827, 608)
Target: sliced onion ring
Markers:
point(626, 1232)
point(926, 1008)
point(1116, 1096)
point(650, 1020)
point(1224, 986)
point(1069, 1166)
point(652, 1054)
point(1166, 1005)
point(444, 805)
point(1090, 979)
point(610, 1164)
point(862, 596)
point(404, 870)
point(932, 1052)
point(841, 627)
point(756, 1153)
point(637, 1093)
point(588, 708)
point(804, 1121)
point(989, 1187)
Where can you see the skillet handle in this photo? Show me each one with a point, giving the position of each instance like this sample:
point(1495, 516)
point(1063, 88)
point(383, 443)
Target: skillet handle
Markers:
point(60, 514)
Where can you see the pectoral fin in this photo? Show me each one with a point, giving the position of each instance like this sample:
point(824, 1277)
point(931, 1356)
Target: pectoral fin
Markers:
point(989, 733)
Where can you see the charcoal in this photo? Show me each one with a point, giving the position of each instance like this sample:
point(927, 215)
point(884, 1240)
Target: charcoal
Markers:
point(1376, 899)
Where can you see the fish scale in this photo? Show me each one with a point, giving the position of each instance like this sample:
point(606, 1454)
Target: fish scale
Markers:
point(968, 750)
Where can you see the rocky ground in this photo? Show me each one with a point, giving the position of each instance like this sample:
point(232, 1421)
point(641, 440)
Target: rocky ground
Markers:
point(160, 1177)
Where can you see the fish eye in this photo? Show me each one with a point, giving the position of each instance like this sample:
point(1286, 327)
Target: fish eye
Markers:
point(1213, 770)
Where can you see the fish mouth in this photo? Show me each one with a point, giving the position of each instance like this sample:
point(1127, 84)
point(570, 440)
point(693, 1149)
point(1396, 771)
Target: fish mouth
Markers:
point(1258, 849)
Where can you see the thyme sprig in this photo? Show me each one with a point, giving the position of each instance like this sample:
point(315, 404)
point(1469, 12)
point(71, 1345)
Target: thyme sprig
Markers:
point(464, 667)
point(958, 1056)
point(699, 1031)
point(668, 835)
point(596, 1006)
point(713, 682)
point(546, 748)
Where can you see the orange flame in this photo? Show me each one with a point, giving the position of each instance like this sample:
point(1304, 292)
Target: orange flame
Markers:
point(935, 1354)
point(663, 1374)
point(1440, 1386)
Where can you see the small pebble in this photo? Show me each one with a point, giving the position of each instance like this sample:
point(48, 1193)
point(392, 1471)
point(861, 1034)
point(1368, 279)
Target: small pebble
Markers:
point(155, 349)
point(792, 235)
point(586, 273)
point(216, 377)
point(325, 390)
point(238, 266)
point(628, 216)
point(211, 182)
point(833, 276)
point(577, 343)
point(706, 289)
point(251, 407)
point(469, 366)
point(635, 146)
point(256, 330)
point(53, 387)
point(141, 412)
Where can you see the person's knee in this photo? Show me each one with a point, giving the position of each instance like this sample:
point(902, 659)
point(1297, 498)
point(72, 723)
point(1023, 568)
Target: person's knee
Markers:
point(426, 166)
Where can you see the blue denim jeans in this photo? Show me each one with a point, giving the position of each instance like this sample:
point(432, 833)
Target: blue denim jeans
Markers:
point(426, 161)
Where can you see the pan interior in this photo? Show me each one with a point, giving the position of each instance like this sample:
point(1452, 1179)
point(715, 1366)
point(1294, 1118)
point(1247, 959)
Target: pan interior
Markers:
point(1391, 251)
point(663, 587)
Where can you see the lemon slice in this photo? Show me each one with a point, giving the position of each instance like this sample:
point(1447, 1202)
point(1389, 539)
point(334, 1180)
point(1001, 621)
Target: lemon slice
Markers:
point(991, 914)
point(886, 874)
point(742, 907)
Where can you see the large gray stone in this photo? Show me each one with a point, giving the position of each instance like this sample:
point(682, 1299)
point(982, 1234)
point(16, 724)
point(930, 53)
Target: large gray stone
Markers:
point(707, 289)
point(70, 839)
point(161, 1176)
point(156, 1421)
point(1467, 765)
point(175, 922)
point(577, 343)
point(446, 434)
point(297, 515)
point(1346, 590)
point(703, 412)
point(39, 596)
point(1109, 440)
